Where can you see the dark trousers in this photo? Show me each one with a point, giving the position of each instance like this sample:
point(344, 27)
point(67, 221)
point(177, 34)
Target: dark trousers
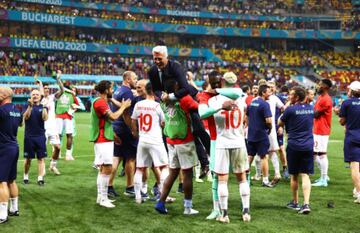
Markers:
point(202, 139)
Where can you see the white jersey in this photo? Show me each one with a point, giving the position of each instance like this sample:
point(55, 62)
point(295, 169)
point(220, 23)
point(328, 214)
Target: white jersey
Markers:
point(274, 103)
point(229, 124)
point(149, 115)
point(49, 103)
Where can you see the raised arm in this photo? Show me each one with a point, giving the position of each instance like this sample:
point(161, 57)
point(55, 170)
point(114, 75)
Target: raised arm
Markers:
point(60, 84)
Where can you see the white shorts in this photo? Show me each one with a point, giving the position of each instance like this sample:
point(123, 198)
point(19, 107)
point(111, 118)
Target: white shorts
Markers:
point(236, 157)
point(64, 123)
point(274, 144)
point(321, 143)
point(104, 153)
point(147, 154)
point(52, 138)
point(182, 155)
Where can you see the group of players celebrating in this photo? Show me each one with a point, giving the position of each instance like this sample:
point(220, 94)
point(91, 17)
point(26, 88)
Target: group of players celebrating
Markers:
point(168, 126)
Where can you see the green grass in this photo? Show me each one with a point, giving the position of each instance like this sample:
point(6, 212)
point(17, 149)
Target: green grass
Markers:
point(67, 202)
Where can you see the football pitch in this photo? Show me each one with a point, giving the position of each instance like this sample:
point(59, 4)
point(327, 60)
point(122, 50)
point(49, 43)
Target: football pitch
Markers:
point(67, 202)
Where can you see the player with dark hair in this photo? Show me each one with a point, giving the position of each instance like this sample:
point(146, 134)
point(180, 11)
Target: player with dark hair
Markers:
point(102, 134)
point(298, 121)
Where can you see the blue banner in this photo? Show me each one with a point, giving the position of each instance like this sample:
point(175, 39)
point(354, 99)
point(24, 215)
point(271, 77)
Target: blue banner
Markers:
point(103, 48)
point(175, 28)
point(184, 13)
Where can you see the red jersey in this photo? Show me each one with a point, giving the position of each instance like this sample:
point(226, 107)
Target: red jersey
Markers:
point(209, 123)
point(101, 109)
point(187, 104)
point(322, 124)
point(248, 100)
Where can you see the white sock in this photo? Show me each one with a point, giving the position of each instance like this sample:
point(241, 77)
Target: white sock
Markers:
point(98, 184)
point(324, 166)
point(265, 179)
point(104, 181)
point(14, 204)
point(3, 210)
point(216, 205)
point(68, 153)
point(144, 187)
point(26, 176)
point(197, 171)
point(187, 203)
point(164, 174)
point(258, 165)
point(317, 161)
point(223, 193)
point(53, 163)
point(137, 184)
point(275, 163)
point(244, 190)
point(40, 178)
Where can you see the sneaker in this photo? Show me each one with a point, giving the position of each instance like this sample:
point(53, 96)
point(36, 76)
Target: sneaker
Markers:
point(155, 198)
point(26, 181)
point(275, 181)
point(213, 215)
point(246, 215)
point(209, 177)
point(170, 199)
point(69, 157)
point(224, 219)
point(305, 209)
point(318, 180)
point(139, 201)
point(190, 211)
point(256, 177)
point(268, 185)
point(357, 200)
point(180, 189)
point(98, 200)
point(160, 207)
point(41, 182)
point(155, 190)
point(204, 172)
point(112, 193)
point(144, 196)
point(320, 183)
point(54, 170)
point(3, 220)
point(286, 174)
point(15, 213)
point(293, 205)
point(198, 180)
point(130, 191)
point(106, 203)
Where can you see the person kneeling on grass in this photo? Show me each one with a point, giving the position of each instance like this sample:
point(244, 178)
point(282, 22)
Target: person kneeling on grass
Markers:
point(182, 152)
point(102, 134)
point(298, 120)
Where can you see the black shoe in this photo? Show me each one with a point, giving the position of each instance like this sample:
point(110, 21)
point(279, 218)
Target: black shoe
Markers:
point(16, 213)
point(180, 188)
point(268, 185)
point(41, 182)
point(204, 172)
point(4, 220)
point(293, 205)
point(130, 191)
point(26, 181)
point(305, 209)
point(275, 181)
point(112, 193)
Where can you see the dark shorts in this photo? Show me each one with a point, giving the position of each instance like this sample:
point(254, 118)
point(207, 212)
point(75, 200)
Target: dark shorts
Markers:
point(9, 155)
point(259, 148)
point(300, 161)
point(351, 151)
point(35, 145)
point(128, 146)
point(280, 139)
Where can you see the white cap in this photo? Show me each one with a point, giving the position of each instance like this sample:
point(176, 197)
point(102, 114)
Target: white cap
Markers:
point(160, 49)
point(230, 77)
point(355, 86)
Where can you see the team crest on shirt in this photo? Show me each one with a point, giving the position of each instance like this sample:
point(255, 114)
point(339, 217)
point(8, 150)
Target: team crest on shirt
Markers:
point(64, 99)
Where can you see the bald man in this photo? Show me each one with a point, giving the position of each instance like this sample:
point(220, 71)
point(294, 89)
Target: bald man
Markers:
point(35, 140)
point(10, 120)
point(125, 144)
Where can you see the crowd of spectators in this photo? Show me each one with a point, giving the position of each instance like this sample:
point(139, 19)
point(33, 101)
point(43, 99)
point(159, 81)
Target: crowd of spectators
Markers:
point(345, 60)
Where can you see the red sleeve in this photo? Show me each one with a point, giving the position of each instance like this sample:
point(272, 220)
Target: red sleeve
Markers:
point(101, 107)
point(201, 98)
point(187, 103)
point(75, 100)
point(324, 105)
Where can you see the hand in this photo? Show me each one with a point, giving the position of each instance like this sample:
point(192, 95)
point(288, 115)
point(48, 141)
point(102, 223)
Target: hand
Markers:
point(135, 134)
point(30, 102)
point(165, 97)
point(228, 105)
point(125, 103)
point(74, 106)
point(58, 74)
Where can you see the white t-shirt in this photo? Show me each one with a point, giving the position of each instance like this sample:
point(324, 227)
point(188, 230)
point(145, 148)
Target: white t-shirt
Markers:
point(149, 115)
point(49, 103)
point(229, 124)
point(274, 103)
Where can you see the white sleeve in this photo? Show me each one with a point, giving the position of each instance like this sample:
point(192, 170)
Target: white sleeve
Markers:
point(279, 103)
point(160, 113)
point(135, 113)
